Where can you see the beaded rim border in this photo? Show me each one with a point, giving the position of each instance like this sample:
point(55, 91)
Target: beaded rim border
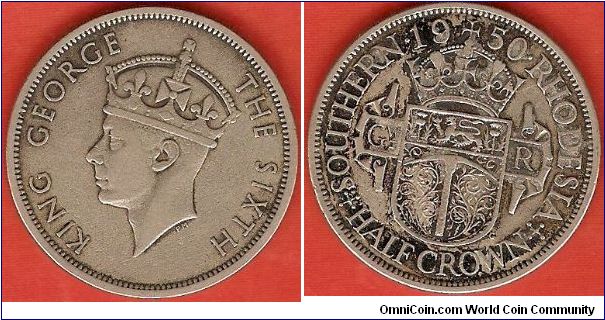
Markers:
point(206, 279)
point(365, 253)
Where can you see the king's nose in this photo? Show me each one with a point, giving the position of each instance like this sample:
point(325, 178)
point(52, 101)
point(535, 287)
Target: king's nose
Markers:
point(95, 155)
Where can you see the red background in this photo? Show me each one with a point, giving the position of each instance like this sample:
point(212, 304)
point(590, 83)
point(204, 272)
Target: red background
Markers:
point(29, 30)
point(331, 269)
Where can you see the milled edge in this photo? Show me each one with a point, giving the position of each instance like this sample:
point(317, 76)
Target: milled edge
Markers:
point(204, 280)
point(366, 254)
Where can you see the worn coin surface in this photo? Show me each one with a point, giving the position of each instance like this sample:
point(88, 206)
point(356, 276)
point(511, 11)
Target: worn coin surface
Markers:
point(454, 148)
point(152, 152)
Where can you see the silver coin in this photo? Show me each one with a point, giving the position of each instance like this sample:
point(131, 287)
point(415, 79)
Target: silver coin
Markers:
point(454, 148)
point(152, 153)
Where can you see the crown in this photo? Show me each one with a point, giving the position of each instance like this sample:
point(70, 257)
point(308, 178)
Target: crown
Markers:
point(187, 100)
point(464, 73)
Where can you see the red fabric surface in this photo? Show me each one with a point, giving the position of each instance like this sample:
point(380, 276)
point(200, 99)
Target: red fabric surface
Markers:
point(331, 269)
point(29, 30)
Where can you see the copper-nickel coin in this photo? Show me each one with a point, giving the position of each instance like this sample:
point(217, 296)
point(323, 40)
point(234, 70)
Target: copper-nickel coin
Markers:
point(454, 148)
point(152, 152)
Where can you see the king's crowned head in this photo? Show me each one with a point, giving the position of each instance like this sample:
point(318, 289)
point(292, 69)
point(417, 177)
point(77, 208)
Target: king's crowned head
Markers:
point(172, 94)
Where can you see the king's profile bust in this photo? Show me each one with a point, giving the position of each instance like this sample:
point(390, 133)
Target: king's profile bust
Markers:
point(163, 114)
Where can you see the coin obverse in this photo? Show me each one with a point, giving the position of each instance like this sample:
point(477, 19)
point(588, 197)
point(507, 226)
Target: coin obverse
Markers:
point(152, 153)
point(454, 148)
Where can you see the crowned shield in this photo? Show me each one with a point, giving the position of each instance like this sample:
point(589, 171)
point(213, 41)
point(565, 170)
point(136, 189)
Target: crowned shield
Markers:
point(445, 158)
point(448, 183)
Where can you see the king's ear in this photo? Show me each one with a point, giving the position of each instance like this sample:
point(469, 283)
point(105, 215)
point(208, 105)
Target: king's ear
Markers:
point(166, 155)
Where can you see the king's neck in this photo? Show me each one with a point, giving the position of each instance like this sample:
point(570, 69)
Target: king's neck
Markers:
point(164, 210)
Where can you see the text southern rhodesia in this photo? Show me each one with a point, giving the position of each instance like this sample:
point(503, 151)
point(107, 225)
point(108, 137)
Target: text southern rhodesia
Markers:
point(501, 255)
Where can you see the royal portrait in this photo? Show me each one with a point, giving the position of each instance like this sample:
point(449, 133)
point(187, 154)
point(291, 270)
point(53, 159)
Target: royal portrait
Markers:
point(163, 116)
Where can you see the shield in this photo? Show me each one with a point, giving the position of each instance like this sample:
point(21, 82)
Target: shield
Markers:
point(448, 182)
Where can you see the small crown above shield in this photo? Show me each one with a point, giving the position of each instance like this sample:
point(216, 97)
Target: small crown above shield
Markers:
point(466, 73)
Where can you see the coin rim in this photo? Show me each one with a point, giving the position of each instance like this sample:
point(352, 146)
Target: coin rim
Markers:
point(289, 136)
point(314, 153)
